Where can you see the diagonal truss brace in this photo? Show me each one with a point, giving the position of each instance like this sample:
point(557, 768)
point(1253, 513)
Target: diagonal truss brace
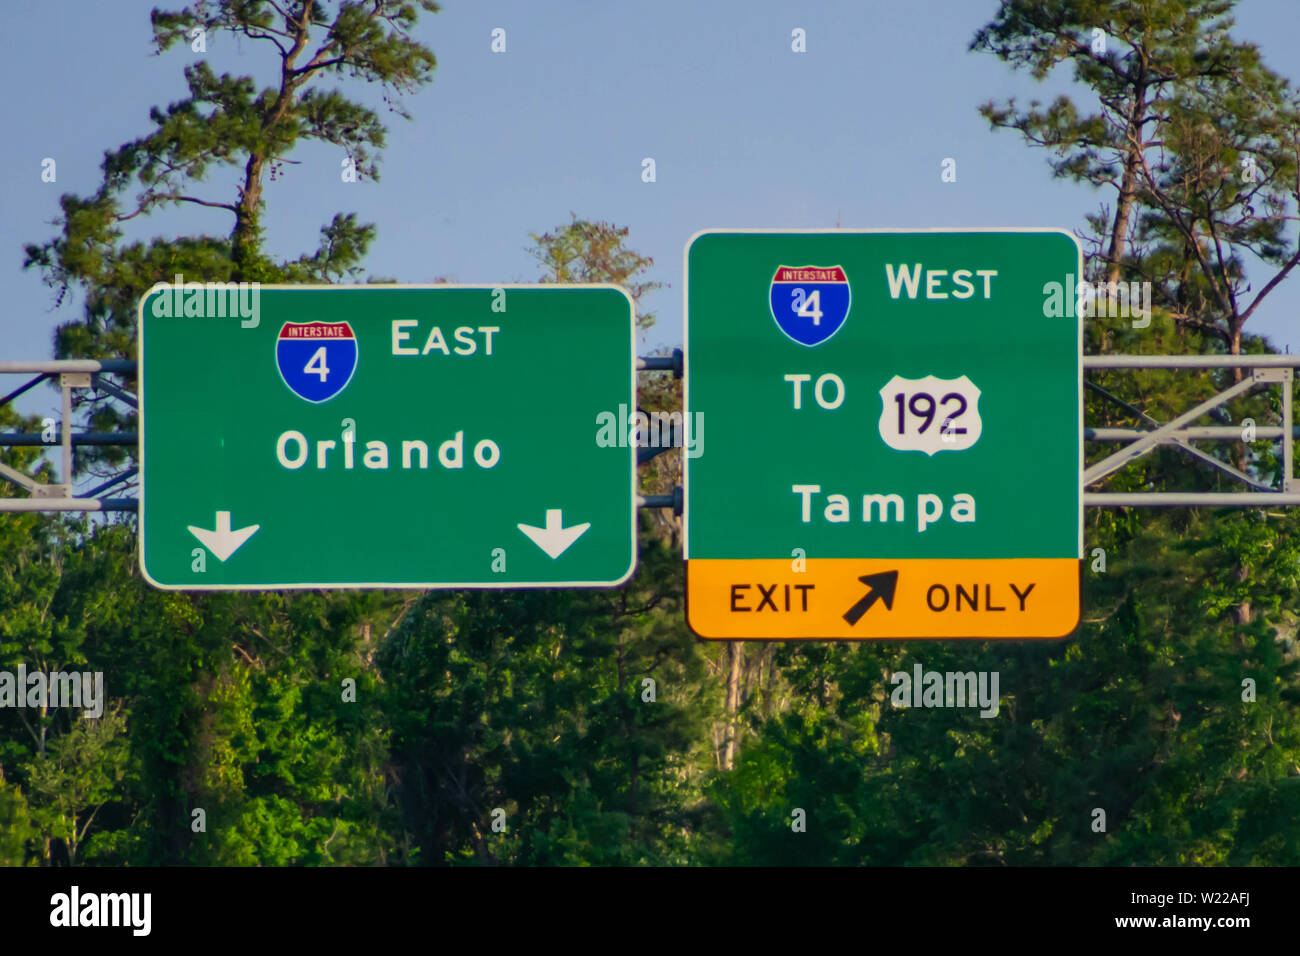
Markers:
point(1171, 432)
point(1181, 439)
point(1265, 370)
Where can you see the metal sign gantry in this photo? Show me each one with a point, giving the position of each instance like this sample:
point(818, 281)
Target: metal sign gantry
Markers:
point(70, 374)
point(1265, 370)
point(90, 374)
point(96, 375)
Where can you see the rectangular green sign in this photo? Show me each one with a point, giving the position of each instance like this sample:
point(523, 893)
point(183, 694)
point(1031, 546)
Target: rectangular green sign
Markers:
point(879, 403)
point(385, 436)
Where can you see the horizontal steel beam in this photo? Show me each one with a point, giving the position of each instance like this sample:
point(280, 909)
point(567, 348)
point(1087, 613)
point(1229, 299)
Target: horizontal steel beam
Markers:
point(672, 362)
point(662, 363)
point(674, 501)
point(1191, 361)
point(1202, 433)
point(28, 439)
point(68, 504)
point(1180, 499)
point(1157, 499)
point(69, 365)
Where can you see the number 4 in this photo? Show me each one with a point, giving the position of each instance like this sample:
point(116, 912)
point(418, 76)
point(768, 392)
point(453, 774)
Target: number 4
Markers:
point(317, 366)
point(808, 306)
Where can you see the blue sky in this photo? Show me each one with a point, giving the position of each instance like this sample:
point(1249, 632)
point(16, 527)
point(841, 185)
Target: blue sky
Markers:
point(744, 133)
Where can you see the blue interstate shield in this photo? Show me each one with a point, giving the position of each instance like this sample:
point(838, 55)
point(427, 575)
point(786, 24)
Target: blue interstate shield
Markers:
point(809, 303)
point(316, 359)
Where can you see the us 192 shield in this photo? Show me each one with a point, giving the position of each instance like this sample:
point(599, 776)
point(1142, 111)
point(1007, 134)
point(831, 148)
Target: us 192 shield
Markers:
point(930, 414)
point(809, 303)
point(316, 359)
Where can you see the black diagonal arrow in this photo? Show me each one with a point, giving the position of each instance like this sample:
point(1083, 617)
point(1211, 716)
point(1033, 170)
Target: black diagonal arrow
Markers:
point(881, 587)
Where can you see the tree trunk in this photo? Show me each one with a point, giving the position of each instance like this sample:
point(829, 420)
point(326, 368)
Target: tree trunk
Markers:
point(244, 238)
point(1242, 457)
point(1243, 609)
point(1128, 185)
point(737, 651)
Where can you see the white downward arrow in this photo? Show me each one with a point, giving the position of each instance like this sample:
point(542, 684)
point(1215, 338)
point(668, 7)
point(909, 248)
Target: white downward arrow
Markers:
point(554, 539)
point(223, 542)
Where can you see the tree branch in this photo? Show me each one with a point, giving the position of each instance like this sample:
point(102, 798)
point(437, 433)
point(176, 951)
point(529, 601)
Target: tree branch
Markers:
point(1272, 283)
point(174, 197)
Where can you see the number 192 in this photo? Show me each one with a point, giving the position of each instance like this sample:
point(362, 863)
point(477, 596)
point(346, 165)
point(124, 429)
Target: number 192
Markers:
point(922, 406)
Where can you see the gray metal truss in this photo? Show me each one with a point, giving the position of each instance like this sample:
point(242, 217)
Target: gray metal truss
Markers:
point(88, 374)
point(1266, 370)
point(71, 374)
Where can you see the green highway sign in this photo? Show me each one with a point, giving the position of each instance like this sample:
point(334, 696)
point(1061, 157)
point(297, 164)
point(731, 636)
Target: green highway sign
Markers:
point(386, 436)
point(895, 434)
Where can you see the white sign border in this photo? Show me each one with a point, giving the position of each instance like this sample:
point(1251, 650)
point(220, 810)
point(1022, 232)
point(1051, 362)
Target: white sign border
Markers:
point(927, 230)
point(410, 585)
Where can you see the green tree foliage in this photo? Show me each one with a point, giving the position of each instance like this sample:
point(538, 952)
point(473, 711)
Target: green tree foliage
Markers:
point(234, 703)
point(581, 716)
point(586, 251)
point(228, 122)
point(537, 704)
point(1196, 136)
point(80, 773)
point(590, 727)
point(1144, 714)
point(235, 707)
point(14, 825)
